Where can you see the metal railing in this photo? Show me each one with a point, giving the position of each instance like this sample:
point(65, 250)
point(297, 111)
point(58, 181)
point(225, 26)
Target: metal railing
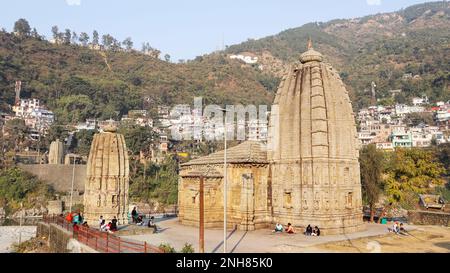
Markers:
point(103, 242)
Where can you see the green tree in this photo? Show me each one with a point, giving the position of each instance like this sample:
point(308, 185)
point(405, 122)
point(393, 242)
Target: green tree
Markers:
point(128, 43)
point(74, 108)
point(371, 161)
point(137, 138)
point(95, 38)
point(22, 27)
point(84, 38)
point(83, 141)
point(67, 37)
point(167, 58)
point(107, 41)
point(415, 119)
point(17, 133)
point(55, 33)
point(443, 152)
point(17, 186)
point(411, 172)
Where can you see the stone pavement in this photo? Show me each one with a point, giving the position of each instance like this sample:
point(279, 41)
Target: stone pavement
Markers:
point(260, 241)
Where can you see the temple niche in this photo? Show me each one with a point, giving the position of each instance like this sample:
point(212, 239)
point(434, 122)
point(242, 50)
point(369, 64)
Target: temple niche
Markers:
point(307, 173)
point(107, 181)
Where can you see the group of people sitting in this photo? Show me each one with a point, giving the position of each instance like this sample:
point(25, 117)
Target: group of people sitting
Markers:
point(110, 227)
point(139, 220)
point(290, 230)
point(398, 229)
point(312, 232)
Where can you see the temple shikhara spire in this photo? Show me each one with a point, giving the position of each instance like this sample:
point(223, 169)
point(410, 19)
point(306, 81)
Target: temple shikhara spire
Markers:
point(107, 181)
point(309, 176)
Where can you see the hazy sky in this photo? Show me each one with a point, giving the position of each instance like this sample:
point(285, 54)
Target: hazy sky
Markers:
point(182, 28)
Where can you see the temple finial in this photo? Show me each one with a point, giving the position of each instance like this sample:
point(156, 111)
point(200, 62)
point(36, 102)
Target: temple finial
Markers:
point(310, 44)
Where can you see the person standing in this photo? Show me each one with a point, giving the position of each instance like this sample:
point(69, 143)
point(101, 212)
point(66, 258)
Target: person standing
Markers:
point(114, 224)
point(134, 215)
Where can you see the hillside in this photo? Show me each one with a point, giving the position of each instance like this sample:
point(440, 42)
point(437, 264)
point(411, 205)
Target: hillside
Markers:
point(408, 50)
point(381, 48)
point(77, 82)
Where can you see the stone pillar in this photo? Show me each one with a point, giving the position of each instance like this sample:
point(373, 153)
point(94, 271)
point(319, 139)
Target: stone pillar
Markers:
point(107, 181)
point(56, 153)
point(247, 203)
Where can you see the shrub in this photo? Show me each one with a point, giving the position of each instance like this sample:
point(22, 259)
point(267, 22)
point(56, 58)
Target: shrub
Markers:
point(187, 248)
point(167, 248)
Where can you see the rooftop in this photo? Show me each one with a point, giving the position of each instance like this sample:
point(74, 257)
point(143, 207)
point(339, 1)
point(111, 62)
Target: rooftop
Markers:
point(247, 152)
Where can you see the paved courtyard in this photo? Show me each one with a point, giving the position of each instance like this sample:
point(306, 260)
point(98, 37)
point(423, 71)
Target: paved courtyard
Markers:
point(260, 241)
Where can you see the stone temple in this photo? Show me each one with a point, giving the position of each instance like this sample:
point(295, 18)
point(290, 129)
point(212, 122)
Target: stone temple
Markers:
point(309, 175)
point(56, 153)
point(107, 180)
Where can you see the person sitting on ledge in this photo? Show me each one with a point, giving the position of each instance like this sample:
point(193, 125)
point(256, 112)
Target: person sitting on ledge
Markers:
point(316, 231)
point(140, 220)
point(85, 225)
point(278, 228)
point(76, 227)
point(290, 229)
point(103, 225)
point(151, 224)
point(309, 230)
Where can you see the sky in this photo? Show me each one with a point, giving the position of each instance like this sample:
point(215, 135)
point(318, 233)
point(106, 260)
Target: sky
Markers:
point(186, 29)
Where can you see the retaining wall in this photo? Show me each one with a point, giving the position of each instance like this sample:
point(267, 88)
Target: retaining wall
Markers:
point(429, 218)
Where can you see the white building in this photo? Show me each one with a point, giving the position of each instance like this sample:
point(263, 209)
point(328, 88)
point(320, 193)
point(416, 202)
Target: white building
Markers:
point(401, 109)
point(245, 58)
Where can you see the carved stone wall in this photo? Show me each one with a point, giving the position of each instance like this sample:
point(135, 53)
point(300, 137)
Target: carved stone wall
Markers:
point(247, 197)
point(309, 175)
point(314, 160)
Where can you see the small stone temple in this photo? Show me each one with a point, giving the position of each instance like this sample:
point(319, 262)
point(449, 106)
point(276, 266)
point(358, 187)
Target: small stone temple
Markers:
point(310, 173)
point(107, 180)
point(56, 153)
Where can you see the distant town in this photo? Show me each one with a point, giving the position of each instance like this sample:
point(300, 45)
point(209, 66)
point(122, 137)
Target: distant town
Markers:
point(419, 124)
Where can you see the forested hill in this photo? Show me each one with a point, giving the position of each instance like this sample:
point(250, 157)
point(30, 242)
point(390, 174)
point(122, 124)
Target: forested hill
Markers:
point(380, 48)
point(77, 82)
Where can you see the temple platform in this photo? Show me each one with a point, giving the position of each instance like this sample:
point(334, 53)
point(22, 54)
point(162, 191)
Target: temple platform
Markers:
point(259, 241)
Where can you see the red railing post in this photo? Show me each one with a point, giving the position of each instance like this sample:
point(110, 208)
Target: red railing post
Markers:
point(107, 242)
point(96, 242)
point(119, 244)
point(145, 247)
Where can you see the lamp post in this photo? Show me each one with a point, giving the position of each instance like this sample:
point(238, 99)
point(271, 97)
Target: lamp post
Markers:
point(225, 184)
point(71, 189)
point(202, 216)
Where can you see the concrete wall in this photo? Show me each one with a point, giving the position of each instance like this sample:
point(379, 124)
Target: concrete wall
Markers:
point(59, 176)
point(429, 218)
point(60, 240)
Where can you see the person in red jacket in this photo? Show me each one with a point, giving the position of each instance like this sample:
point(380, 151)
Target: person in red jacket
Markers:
point(69, 217)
